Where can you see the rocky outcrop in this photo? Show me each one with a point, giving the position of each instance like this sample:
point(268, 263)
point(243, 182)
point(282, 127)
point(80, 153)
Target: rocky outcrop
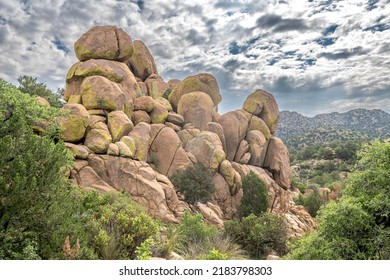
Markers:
point(128, 133)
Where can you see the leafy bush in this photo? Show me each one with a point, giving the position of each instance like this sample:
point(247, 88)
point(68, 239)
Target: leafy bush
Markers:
point(121, 229)
point(259, 235)
point(311, 201)
point(194, 183)
point(255, 198)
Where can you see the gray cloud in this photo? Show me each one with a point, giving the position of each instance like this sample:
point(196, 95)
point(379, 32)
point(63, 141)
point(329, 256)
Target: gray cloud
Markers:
point(279, 24)
point(343, 53)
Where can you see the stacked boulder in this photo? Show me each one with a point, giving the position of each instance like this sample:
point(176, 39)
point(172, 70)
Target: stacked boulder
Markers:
point(130, 130)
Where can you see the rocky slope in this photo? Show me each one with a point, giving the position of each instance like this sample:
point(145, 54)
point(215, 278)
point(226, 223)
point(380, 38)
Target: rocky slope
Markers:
point(126, 136)
point(375, 123)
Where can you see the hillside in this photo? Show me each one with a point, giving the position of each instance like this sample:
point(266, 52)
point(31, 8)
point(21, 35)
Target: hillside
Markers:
point(375, 123)
point(325, 135)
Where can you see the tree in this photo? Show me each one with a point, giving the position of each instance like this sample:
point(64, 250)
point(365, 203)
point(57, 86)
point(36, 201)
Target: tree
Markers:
point(31, 86)
point(39, 209)
point(255, 198)
point(194, 183)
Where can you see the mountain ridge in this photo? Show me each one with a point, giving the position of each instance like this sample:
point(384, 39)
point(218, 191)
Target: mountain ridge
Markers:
point(374, 122)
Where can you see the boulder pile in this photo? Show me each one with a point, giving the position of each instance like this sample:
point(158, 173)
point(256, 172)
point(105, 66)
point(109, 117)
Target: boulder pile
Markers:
point(130, 130)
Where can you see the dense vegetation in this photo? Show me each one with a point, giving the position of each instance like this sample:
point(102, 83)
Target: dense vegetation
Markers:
point(358, 226)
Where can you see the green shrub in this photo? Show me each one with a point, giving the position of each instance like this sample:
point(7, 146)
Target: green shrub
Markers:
point(194, 239)
point(255, 198)
point(214, 254)
point(194, 183)
point(121, 229)
point(259, 235)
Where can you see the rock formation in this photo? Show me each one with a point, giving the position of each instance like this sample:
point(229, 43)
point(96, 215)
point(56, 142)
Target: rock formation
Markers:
point(126, 134)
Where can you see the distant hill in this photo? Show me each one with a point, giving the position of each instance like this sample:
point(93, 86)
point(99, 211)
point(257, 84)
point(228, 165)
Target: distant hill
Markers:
point(375, 123)
point(325, 135)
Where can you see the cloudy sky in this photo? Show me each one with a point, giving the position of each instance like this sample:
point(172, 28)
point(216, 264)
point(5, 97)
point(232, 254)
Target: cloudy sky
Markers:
point(314, 56)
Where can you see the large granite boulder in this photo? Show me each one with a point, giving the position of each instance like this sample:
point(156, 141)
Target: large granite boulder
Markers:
point(141, 62)
point(262, 104)
point(106, 42)
point(196, 108)
point(234, 126)
point(201, 82)
point(75, 123)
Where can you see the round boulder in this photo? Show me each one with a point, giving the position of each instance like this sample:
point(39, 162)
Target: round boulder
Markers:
point(201, 82)
point(196, 108)
point(106, 42)
point(75, 123)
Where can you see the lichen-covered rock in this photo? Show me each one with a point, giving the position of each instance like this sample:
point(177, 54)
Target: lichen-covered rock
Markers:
point(222, 196)
point(208, 150)
point(164, 102)
point(262, 104)
point(257, 147)
point(141, 137)
point(141, 62)
point(100, 93)
point(159, 113)
point(196, 108)
point(140, 116)
point(119, 125)
point(98, 138)
point(217, 128)
point(114, 71)
point(106, 42)
point(241, 150)
point(78, 151)
point(124, 150)
point(75, 123)
point(202, 82)
point(144, 103)
point(156, 86)
point(187, 134)
point(256, 123)
point(277, 161)
point(130, 142)
point(234, 126)
point(113, 150)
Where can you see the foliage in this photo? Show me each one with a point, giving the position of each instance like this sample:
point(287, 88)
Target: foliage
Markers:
point(214, 254)
point(259, 235)
point(31, 86)
point(312, 201)
point(167, 93)
point(194, 183)
point(194, 239)
point(38, 207)
point(358, 226)
point(255, 198)
point(120, 228)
